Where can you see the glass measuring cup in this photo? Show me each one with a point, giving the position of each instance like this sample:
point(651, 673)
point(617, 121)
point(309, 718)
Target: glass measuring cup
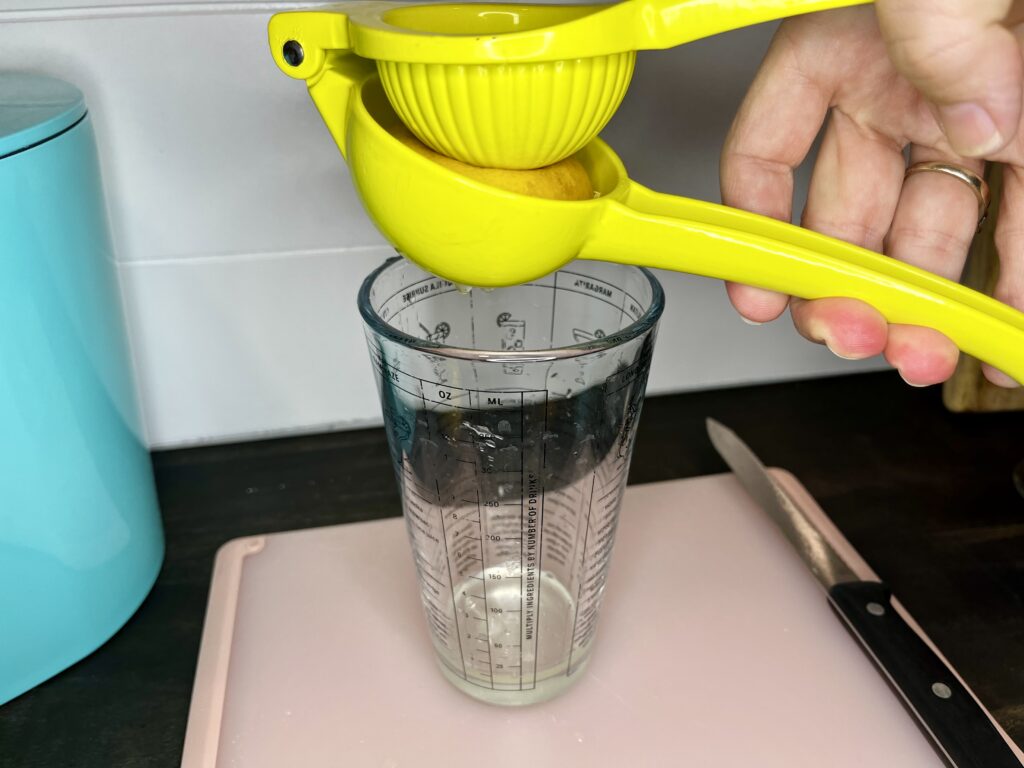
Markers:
point(510, 417)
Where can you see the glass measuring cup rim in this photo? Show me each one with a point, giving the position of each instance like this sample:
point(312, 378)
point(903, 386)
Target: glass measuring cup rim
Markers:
point(642, 324)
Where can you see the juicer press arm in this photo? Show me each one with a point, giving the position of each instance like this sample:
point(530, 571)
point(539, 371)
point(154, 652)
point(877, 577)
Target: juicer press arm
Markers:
point(670, 23)
point(466, 33)
point(716, 241)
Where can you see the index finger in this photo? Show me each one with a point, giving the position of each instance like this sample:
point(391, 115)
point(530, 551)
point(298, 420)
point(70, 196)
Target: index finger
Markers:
point(771, 135)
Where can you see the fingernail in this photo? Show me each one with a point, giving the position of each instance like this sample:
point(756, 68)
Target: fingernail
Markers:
point(748, 321)
point(845, 357)
point(970, 129)
point(818, 331)
point(999, 378)
point(821, 333)
point(911, 383)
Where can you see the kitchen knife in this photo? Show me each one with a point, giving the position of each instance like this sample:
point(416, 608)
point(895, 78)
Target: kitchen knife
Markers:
point(956, 723)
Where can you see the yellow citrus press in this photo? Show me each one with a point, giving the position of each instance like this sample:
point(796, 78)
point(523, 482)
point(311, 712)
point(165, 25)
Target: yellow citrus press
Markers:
point(512, 86)
point(478, 234)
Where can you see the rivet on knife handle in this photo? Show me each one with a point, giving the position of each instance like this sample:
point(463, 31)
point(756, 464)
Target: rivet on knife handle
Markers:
point(940, 702)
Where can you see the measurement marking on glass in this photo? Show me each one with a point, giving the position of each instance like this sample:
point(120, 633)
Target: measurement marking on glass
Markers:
point(472, 322)
point(522, 560)
point(503, 670)
point(540, 545)
point(451, 582)
point(432, 577)
point(555, 289)
point(583, 578)
point(419, 496)
point(415, 484)
point(405, 289)
point(554, 303)
point(423, 399)
point(403, 389)
point(627, 294)
point(622, 305)
point(483, 570)
point(522, 552)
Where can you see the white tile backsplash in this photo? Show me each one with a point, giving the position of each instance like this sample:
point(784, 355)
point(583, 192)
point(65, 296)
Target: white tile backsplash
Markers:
point(241, 241)
point(235, 347)
point(239, 347)
point(207, 147)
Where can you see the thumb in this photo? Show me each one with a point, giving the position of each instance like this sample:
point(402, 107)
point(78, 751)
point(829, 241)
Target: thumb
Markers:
point(965, 61)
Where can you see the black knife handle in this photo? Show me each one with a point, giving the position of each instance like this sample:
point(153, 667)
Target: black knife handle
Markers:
point(957, 724)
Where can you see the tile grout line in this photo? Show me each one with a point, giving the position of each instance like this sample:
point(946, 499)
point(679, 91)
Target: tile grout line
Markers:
point(243, 256)
point(123, 10)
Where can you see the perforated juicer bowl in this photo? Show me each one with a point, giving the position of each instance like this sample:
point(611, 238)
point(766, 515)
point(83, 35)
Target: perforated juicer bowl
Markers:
point(510, 86)
point(475, 81)
point(508, 115)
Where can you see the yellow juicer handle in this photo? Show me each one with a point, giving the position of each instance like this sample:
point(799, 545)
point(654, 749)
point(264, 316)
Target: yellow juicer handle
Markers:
point(632, 25)
point(374, 29)
point(657, 230)
point(668, 23)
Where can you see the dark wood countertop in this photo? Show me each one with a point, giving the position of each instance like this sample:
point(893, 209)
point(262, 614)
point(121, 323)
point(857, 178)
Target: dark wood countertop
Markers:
point(926, 496)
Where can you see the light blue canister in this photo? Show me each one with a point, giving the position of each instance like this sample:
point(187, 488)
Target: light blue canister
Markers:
point(80, 535)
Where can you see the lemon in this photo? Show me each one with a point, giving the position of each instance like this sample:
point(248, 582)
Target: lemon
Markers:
point(565, 180)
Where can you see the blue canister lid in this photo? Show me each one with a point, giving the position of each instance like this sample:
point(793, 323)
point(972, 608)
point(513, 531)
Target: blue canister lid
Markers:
point(34, 108)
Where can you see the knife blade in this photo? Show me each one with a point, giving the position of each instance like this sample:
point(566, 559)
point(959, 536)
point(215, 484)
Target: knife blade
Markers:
point(957, 725)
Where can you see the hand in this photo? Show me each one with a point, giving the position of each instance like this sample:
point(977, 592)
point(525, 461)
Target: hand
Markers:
point(837, 65)
point(965, 60)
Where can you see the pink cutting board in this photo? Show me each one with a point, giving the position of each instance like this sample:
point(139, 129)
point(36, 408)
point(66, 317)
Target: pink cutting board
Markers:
point(716, 647)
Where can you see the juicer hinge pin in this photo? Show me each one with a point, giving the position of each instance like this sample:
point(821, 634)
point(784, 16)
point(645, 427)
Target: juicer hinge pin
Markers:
point(293, 53)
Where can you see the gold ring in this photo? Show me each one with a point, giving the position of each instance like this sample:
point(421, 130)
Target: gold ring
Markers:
point(977, 184)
